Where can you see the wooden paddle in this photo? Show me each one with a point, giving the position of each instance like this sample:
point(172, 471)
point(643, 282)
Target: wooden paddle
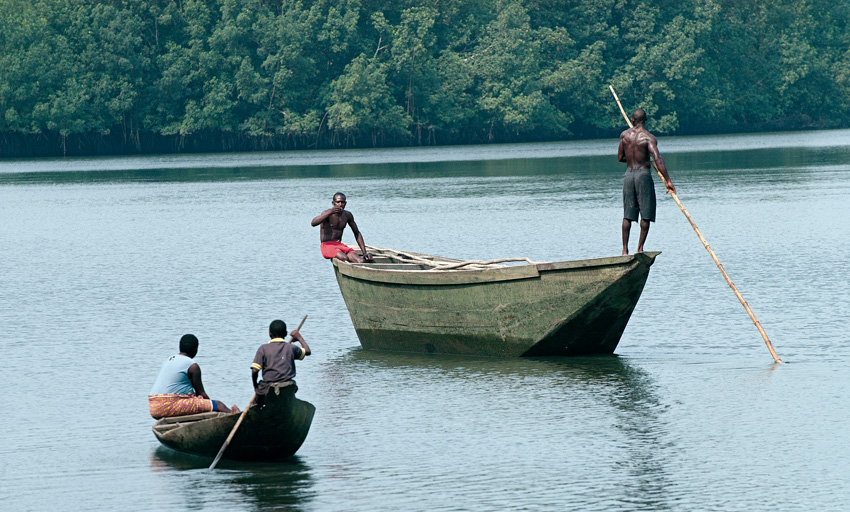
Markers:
point(707, 247)
point(242, 416)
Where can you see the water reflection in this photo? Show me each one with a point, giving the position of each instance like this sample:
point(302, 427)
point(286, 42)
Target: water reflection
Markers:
point(611, 370)
point(640, 413)
point(633, 395)
point(492, 161)
point(617, 398)
point(489, 168)
point(165, 459)
point(286, 485)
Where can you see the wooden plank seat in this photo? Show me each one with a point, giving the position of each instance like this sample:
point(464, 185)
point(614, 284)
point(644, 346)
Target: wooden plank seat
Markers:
point(172, 422)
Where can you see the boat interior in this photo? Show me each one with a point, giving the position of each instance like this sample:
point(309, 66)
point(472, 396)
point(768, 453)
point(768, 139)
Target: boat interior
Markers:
point(166, 424)
point(391, 259)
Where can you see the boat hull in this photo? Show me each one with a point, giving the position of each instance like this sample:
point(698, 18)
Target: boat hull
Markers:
point(549, 309)
point(272, 433)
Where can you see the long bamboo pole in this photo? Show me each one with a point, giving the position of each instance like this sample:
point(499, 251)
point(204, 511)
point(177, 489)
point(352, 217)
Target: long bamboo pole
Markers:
point(242, 417)
point(707, 247)
point(232, 432)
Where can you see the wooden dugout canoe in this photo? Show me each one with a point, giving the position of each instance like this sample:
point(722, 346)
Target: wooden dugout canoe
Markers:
point(404, 302)
point(272, 433)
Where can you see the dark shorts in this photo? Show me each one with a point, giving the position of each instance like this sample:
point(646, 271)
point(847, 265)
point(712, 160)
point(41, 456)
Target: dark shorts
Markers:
point(638, 195)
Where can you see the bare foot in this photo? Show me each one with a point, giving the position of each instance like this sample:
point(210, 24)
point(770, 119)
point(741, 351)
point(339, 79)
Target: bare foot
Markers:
point(625, 252)
point(234, 409)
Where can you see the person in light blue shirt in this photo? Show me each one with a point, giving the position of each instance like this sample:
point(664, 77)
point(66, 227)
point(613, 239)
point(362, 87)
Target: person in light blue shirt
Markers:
point(178, 389)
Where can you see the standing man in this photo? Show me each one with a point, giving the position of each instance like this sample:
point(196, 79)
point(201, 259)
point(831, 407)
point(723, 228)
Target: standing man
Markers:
point(636, 147)
point(333, 223)
point(178, 389)
point(276, 359)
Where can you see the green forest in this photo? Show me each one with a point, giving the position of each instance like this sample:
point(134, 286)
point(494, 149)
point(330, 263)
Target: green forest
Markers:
point(136, 76)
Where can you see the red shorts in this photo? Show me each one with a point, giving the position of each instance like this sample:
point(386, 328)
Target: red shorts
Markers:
point(330, 249)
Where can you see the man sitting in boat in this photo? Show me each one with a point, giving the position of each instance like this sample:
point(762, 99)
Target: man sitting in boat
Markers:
point(178, 389)
point(333, 223)
point(276, 359)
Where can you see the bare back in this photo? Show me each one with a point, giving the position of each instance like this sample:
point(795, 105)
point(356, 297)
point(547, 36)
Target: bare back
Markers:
point(636, 147)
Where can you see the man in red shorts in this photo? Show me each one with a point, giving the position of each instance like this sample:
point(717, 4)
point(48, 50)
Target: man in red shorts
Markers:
point(333, 223)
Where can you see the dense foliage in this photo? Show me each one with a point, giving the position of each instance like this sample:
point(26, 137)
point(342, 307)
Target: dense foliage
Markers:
point(89, 76)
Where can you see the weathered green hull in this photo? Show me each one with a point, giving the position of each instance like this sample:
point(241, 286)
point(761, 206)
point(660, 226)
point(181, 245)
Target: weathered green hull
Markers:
point(547, 309)
point(274, 433)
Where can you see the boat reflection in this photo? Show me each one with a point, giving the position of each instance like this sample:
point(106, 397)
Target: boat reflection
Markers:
point(610, 393)
point(286, 485)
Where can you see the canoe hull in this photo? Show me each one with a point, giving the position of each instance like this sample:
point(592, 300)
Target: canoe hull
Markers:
point(274, 433)
point(554, 309)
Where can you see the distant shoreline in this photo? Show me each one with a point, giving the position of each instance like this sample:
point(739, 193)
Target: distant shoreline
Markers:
point(18, 145)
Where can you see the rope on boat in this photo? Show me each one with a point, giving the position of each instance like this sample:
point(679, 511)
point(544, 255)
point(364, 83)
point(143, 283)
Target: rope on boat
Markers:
point(402, 253)
point(480, 263)
point(476, 264)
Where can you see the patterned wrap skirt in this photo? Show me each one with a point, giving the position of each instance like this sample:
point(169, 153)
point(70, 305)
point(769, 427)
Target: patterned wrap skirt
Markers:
point(169, 404)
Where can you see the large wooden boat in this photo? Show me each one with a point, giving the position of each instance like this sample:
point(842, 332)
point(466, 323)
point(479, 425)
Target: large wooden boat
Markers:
point(415, 302)
point(272, 433)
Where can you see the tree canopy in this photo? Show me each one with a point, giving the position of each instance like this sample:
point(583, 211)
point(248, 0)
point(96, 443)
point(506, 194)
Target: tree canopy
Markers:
point(117, 76)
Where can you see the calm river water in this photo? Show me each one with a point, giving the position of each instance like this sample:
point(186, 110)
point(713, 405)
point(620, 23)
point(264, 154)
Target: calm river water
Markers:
point(106, 262)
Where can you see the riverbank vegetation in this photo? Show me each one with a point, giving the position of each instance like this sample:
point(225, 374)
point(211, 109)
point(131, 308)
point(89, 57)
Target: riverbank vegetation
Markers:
point(127, 76)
